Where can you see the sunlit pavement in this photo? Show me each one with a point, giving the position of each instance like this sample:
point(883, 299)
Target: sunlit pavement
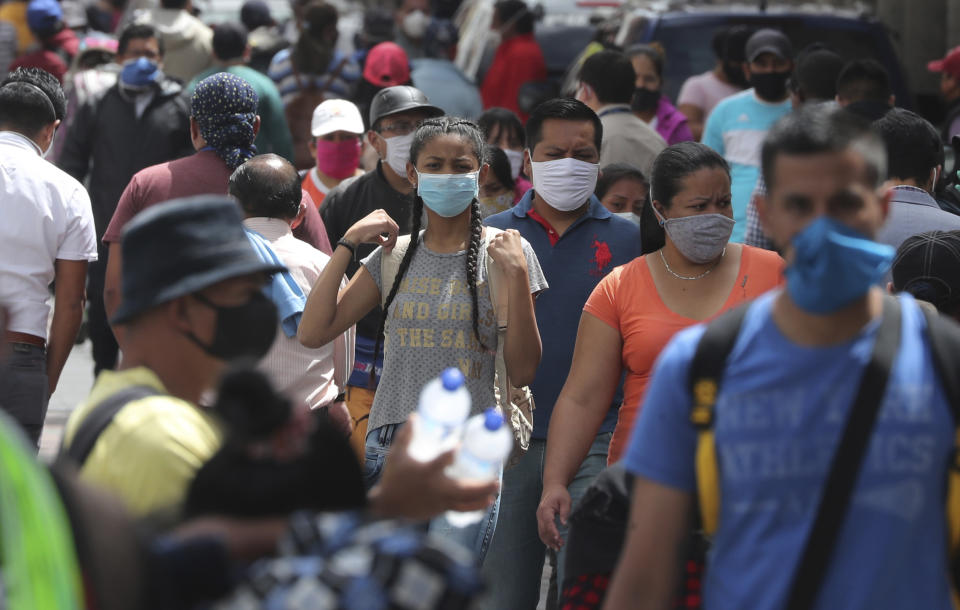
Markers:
point(75, 383)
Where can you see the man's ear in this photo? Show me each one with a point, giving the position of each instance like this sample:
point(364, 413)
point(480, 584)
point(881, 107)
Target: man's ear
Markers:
point(256, 125)
point(298, 219)
point(527, 163)
point(760, 201)
point(885, 197)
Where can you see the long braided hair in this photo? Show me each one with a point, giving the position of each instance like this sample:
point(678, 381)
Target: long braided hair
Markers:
point(428, 130)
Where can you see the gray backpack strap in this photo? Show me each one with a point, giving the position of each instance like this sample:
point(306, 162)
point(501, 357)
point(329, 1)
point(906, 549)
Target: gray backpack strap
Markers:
point(101, 416)
point(390, 265)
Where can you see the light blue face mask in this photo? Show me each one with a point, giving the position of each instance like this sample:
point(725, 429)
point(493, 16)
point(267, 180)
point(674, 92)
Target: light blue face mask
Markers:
point(448, 194)
point(834, 265)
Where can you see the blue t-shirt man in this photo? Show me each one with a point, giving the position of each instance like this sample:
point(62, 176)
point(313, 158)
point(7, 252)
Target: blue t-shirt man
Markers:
point(736, 129)
point(779, 416)
point(576, 261)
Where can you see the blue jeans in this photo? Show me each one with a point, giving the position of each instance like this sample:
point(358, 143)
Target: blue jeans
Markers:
point(517, 554)
point(23, 388)
point(476, 537)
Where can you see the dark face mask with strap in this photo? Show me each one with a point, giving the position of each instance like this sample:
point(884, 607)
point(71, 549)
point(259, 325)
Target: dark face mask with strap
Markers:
point(242, 331)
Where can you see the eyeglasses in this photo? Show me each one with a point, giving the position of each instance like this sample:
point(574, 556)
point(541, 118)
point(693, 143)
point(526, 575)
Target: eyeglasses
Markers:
point(400, 128)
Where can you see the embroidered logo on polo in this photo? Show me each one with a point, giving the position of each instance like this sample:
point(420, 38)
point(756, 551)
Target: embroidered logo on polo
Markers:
point(601, 257)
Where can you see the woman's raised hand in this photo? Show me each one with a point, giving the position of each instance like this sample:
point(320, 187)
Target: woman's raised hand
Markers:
point(375, 228)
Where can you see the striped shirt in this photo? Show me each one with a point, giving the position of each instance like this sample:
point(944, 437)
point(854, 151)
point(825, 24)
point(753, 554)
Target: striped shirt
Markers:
point(281, 71)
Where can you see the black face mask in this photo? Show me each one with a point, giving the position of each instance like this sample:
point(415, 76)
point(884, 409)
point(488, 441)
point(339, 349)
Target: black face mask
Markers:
point(246, 330)
point(770, 86)
point(645, 100)
point(734, 73)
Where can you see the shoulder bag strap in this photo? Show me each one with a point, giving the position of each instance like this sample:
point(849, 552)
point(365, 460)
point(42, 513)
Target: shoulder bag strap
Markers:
point(97, 420)
point(842, 478)
point(499, 298)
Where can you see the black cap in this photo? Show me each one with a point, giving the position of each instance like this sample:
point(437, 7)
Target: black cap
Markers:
point(255, 13)
point(229, 40)
point(180, 247)
point(769, 41)
point(400, 99)
point(927, 266)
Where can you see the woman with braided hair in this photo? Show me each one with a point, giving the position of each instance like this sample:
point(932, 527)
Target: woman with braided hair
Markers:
point(438, 312)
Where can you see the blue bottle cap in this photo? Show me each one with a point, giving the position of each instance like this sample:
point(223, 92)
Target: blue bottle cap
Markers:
point(492, 419)
point(452, 379)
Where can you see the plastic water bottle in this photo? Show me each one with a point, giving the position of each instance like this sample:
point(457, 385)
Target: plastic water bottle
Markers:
point(443, 408)
point(487, 442)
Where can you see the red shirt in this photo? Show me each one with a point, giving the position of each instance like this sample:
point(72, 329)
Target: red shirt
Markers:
point(203, 173)
point(518, 60)
point(47, 58)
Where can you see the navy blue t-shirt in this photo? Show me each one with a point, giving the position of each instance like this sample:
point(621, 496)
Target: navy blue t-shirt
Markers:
point(593, 245)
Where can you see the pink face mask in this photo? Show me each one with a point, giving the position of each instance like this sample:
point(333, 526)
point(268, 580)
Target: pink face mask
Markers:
point(338, 159)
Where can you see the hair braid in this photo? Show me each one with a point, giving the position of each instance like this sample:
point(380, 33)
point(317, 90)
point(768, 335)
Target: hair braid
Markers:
point(476, 230)
point(417, 212)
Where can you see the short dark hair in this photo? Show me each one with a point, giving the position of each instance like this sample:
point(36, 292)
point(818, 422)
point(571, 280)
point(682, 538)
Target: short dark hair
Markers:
point(654, 54)
point(913, 145)
point(864, 79)
point(816, 72)
point(614, 173)
point(173, 4)
point(500, 119)
point(719, 41)
point(267, 185)
point(229, 41)
point(817, 129)
point(517, 11)
point(31, 99)
point(138, 31)
point(735, 43)
point(500, 166)
point(564, 109)
point(610, 74)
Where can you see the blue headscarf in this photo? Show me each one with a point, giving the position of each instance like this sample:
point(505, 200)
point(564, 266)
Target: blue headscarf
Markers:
point(224, 107)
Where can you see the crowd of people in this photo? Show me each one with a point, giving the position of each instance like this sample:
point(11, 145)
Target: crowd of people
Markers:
point(722, 328)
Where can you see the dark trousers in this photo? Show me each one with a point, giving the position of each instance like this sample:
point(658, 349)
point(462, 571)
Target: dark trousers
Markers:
point(105, 349)
point(23, 388)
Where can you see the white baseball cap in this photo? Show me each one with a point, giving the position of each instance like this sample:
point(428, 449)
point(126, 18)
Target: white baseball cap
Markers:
point(336, 115)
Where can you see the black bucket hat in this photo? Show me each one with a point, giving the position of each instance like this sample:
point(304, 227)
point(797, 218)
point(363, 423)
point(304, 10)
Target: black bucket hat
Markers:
point(180, 247)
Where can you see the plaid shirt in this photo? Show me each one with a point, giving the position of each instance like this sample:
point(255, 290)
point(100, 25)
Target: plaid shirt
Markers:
point(755, 235)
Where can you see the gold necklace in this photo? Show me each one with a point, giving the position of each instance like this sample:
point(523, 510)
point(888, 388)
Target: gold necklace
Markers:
point(687, 277)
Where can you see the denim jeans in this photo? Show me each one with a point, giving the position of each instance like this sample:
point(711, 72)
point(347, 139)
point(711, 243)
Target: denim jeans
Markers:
point(23, 388)
point(517, 554)
point(476, 537)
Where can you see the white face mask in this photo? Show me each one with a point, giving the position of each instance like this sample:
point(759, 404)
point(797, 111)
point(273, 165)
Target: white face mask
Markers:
point(398, 153)
point(629, 216)
point(515, 157)
point(414, 24)
point(565, 184)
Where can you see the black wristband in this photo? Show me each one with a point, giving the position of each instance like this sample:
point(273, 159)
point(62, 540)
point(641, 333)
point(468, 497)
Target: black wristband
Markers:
point(349, 246)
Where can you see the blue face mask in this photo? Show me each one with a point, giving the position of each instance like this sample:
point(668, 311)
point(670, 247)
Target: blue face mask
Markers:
point(448, 194)
point(833, 266)
point(139, 73)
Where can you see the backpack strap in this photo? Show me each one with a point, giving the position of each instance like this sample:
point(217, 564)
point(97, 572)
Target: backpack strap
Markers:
point(390, 266)
point(944, 337)
point(97, 420)
point(704, 378)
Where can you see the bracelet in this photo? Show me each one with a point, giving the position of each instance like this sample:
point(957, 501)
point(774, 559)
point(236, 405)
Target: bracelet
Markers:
point(349, 246)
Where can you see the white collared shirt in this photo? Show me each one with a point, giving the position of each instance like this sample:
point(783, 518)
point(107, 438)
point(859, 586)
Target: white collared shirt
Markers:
point(315, 376)
point(45, 215)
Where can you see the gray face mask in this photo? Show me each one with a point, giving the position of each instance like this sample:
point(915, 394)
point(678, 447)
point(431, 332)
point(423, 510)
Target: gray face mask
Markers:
point(701, 238)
